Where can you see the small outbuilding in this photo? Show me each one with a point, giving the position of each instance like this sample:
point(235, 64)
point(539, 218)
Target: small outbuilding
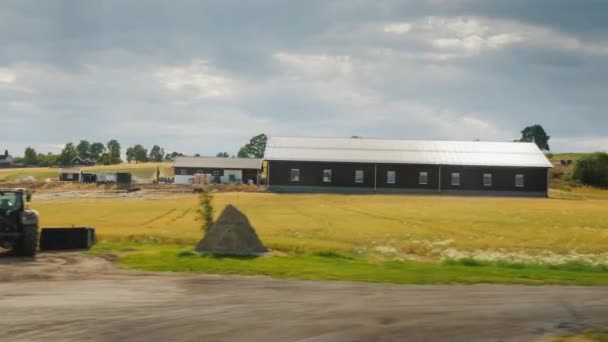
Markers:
point(70, 175)
point(222, 170)
point(114, 177)
point(89, 177)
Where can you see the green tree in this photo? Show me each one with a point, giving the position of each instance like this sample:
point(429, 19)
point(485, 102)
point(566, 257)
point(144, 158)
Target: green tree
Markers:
point(96, 150)
point(206, 210)
point(536, 134)
point(68, 153)
point(173, 155)
point(223, 155)
point(47, 160)
point(592, 169)
point(157, 153)
point(255, 148)
point(30, 157)
point(130, 155)
point(140, 153)
point(113, 152)
point(84, 149)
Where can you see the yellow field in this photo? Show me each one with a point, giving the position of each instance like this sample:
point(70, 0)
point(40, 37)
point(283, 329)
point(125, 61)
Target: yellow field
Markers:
point(144, 170)
point(381, 226)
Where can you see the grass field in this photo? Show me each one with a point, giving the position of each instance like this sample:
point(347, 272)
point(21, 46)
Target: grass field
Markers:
point(142, 170)
point(381, 227)
point(334, 266)
point(379, 238)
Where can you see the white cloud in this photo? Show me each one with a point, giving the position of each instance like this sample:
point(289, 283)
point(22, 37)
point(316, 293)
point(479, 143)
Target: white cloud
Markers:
point(7, 75)
point(471, 36)
point(398, 28)
point(314, 65)
point(475, 122)
point(198, 79)
point(22, 106)
point(579, 143)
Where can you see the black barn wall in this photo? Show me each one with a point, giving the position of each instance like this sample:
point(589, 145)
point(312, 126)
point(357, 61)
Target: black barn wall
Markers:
point(407, 176)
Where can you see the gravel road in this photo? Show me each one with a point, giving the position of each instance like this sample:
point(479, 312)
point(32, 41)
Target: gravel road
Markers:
point(72, 297)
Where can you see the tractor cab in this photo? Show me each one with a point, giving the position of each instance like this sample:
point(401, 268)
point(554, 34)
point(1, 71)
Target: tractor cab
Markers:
point(18, 225)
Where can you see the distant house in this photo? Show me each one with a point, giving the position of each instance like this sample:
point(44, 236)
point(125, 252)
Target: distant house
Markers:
point(83, 161)
point(6, 160)
point(70, 175)
point(223, 170)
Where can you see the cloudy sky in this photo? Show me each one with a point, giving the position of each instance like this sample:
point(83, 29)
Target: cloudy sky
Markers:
point(204, 76)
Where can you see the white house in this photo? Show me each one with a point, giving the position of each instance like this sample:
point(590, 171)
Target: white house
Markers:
point(222, 170)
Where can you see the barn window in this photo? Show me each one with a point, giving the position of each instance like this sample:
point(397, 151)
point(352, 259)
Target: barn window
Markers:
point(391, 177)
point(423, 178)
point(295, 175)
point(326, 176)
point(455, 178)
point(183, 172)
point(487, 179)
point(359, 176)
point(519, 181)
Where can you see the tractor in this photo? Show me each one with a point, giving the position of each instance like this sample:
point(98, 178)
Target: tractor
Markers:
point(18, 224)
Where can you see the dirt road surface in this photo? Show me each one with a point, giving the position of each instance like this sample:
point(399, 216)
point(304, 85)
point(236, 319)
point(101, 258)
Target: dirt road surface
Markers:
point(72, 297)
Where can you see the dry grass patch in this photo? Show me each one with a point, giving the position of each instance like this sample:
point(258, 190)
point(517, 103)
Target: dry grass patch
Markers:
point(383, 226)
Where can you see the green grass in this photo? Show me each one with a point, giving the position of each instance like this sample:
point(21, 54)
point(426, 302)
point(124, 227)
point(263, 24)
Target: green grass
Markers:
point(332, 266)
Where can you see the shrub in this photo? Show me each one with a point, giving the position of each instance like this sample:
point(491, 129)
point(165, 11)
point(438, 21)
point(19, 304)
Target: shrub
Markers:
point(592, 169)
point(206, 210)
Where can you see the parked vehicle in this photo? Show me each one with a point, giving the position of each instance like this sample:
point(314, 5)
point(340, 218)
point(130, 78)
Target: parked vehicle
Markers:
point(18, 225)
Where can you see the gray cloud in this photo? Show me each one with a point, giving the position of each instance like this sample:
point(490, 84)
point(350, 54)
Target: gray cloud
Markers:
point(186, 74)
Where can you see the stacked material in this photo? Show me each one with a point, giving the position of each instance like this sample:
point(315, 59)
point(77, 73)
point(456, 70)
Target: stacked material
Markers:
point(231, 234)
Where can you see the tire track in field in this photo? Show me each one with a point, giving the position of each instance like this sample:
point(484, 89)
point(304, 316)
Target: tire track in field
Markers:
point(156, 218)
point(181, 215)
point(365, 213)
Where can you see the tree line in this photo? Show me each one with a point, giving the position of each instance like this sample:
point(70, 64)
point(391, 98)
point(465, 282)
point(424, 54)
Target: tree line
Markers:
point(106, 154)
point(97, 152)
point(110, 153)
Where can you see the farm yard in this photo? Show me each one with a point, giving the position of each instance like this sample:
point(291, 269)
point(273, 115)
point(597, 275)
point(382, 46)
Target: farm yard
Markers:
point(376, 238)
point(358, 237)
point(141, 170)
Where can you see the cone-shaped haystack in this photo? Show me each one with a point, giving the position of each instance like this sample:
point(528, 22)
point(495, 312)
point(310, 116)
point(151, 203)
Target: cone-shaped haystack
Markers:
point(231, 234)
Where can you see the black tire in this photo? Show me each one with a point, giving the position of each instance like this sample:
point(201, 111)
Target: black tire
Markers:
point(27, 244)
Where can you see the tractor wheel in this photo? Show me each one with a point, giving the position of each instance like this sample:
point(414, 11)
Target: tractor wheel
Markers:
point(27, 245)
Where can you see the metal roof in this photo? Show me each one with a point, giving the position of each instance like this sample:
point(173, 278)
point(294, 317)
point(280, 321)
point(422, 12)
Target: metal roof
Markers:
point(70, 170)
point(462, 153)
point(218, 163)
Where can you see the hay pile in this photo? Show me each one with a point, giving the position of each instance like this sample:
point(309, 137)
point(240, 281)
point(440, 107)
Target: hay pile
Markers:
point(231, 234)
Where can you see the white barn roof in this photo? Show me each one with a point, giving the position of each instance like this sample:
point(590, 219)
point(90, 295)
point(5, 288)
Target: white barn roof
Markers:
point(218, 163)
point(463, 153)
